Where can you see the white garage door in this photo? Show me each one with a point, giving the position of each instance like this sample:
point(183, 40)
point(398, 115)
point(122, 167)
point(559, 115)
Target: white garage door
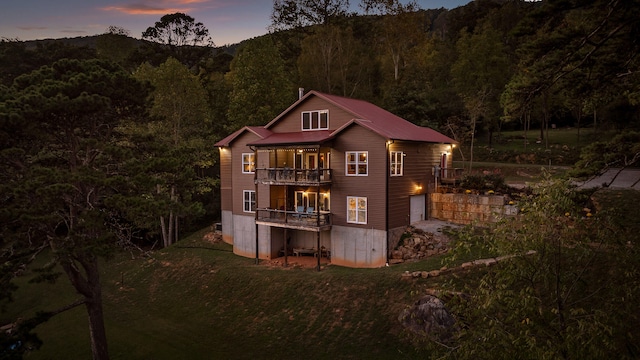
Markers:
point(418, 208)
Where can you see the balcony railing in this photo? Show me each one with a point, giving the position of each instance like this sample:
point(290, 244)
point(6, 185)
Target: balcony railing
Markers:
point(451, 176)
point(293, 219)
point(275, 176)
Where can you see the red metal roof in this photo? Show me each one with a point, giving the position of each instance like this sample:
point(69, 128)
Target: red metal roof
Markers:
point(384, 123)
point(258, 130)
point(292, 138)
point(365, 114)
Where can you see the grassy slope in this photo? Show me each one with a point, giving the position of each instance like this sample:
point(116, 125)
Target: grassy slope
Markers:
point(195, 303)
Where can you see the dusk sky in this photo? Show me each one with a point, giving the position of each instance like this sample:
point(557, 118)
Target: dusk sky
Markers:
point(228, 21)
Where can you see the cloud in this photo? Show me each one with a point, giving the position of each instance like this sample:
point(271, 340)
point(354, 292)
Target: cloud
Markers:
point(155, 7)
point(141, 9)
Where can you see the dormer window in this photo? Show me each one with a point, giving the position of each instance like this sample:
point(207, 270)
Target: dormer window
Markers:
point(315, 120)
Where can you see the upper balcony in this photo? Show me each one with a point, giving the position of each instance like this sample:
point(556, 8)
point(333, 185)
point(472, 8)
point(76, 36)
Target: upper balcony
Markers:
point(290, 176)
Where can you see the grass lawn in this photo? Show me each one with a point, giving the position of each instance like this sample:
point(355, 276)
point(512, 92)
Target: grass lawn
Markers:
point(562, 147)
point(197, 300)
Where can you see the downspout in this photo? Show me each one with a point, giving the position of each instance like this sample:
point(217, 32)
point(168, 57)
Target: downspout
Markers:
point(386, 212)
point(255, 217)
point(317, 204)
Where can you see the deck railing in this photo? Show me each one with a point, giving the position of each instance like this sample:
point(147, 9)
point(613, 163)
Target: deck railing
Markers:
point(293, 176)
point(451, 176)
point(287, 218)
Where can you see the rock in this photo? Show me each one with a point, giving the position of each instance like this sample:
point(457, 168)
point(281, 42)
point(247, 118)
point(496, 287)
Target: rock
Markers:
point(428, 316)
point(395, 261)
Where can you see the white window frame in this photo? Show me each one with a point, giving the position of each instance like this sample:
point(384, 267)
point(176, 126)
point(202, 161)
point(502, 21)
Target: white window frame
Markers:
point(396, 162)
point(249, 201)
point(358, 162)
point(248, 162)
point(316, 120)
point(355, 213)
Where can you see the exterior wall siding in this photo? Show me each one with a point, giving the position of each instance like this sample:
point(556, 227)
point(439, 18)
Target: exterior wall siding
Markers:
point(372, 186)
point(241, 181)
point(418, 164)
point(226, 179)
point(292, 121)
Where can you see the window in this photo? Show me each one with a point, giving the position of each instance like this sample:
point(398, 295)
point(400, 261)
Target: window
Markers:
point(315, 120)
point(356, 163)
point(249, 200)
point(356, 210)
point(396, 163)
point(248, 163)
point(306, 200)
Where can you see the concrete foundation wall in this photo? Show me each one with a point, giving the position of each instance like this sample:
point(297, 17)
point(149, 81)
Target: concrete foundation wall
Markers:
point(227, 226)
point(264, 243)
point(358, 248)
point(244, 236)
point(468, 208)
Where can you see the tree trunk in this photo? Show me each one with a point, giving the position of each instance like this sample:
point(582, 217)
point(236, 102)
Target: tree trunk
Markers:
point(91, 289)
point(97, 330)
point(473, 136)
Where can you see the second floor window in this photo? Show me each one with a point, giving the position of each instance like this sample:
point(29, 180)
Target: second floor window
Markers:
point(396, 163)
point(248, 163)
point(315, 120)
point(356, 162)
point(249, 201)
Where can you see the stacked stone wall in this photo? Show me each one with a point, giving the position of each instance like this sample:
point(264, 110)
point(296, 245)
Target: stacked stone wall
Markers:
point(469, 208)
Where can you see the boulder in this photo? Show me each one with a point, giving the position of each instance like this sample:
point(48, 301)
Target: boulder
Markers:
point(428, 316)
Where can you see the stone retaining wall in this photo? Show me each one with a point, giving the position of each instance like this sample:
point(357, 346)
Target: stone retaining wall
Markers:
point(469, 208)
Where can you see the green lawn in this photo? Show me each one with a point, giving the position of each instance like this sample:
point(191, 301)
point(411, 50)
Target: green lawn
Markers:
point(197, 300)
point(561, 148)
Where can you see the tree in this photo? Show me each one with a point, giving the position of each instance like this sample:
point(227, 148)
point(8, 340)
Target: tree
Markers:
point(479, 75)
point(186, 40)
point(179, 139)
point(594, 37)
point(567, 286)
point(295, 14)
point(621, 152)
point(333, 61)
point(178, 30)
point(64, 159)
point(260, 85)
point(401, 28)
point(115, 45)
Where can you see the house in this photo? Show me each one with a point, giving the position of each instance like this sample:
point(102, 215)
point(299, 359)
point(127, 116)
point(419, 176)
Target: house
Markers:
point(330, 173)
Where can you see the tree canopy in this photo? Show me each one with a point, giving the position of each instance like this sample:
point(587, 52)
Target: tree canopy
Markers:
point(64, 160)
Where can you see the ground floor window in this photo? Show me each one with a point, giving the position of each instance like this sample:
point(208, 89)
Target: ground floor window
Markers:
point(356, 209)
point(249, 200)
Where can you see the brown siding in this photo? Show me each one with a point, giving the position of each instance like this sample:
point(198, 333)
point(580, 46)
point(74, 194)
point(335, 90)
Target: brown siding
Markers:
point(373, 186)
point(241, 181)
point(225, 179)
point(418, 165)
point(292, 122)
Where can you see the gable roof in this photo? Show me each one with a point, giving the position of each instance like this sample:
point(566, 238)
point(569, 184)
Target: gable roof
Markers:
point(259, 131)
point(365, 114)
point(376, 119)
